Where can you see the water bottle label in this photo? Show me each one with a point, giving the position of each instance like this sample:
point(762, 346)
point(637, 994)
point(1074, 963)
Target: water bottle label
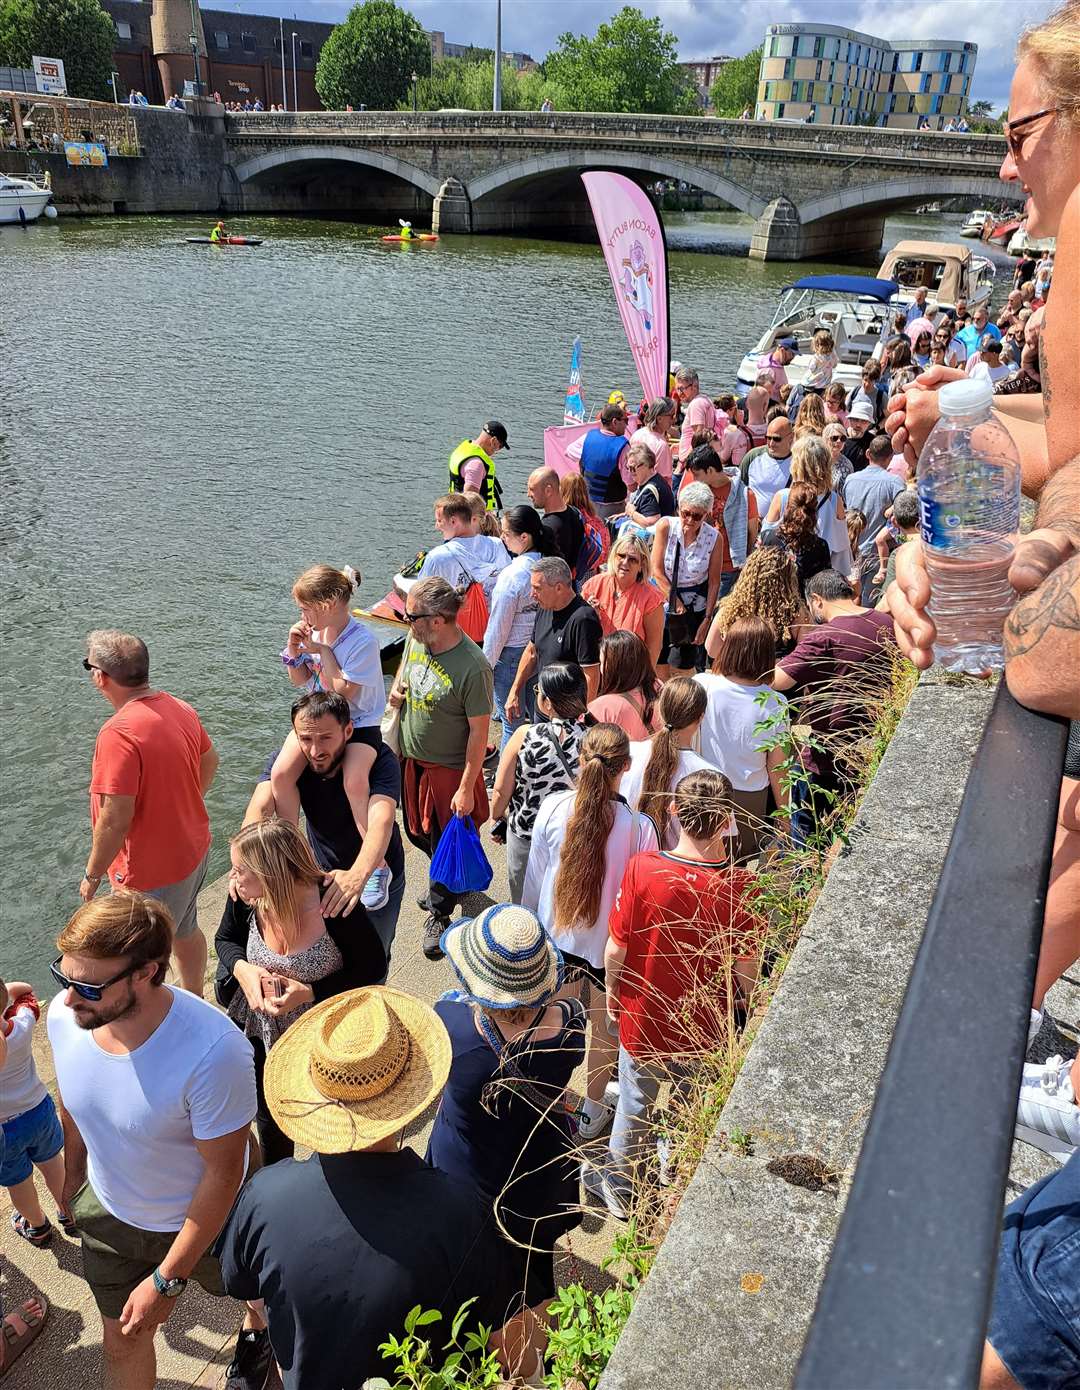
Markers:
point(938, 523)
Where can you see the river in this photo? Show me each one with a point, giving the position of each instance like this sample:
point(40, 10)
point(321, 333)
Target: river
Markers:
point(183, 430)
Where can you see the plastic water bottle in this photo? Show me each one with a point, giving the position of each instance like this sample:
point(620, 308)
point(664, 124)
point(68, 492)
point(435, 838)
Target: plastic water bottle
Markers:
point(969, 510)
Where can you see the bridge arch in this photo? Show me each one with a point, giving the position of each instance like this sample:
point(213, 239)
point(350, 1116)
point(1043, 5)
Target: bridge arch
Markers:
point(504, 184)
point(896, 192)
point(299, 157)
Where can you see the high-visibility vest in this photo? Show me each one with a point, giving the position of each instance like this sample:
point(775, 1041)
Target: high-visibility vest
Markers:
point(490, 490)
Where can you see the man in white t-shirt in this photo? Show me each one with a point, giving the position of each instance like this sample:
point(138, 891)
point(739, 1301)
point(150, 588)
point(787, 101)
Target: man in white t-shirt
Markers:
point(464, 557)
point(767, 470)
point(157, 1094)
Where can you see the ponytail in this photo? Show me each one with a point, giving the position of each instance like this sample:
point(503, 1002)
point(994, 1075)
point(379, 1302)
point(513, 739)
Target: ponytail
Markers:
point(579, 882)
point(681, 705)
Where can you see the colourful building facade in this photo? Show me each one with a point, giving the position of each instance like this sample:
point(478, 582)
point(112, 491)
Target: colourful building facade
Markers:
point(826, 75)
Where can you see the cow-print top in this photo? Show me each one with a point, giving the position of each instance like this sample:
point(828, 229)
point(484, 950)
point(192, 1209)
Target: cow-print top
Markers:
point(540, 771)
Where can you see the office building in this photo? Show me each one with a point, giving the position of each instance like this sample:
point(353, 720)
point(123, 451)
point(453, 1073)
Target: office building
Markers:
point(831, 76)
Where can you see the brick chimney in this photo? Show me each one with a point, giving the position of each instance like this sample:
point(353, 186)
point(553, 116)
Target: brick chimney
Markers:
point(170, 36)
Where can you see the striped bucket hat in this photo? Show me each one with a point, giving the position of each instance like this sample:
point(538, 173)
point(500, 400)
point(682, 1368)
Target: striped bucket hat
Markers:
point(504, 958)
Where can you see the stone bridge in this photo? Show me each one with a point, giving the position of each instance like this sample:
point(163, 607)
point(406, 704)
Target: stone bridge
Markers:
point(816, 192)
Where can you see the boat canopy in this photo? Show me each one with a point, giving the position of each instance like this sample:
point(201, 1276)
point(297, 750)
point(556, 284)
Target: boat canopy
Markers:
point(942, 267)
point(863, 285)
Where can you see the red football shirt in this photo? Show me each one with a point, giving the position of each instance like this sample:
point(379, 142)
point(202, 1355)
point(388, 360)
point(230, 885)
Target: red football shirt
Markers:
point(683, 923)
point(150, 749)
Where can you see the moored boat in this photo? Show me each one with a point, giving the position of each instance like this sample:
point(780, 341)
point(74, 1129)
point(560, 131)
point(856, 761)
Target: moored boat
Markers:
point(945, 269)
point(976, 221)
point(21, 199)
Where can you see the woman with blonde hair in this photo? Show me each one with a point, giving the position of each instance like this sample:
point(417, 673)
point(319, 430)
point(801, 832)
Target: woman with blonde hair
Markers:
point(811, 463)
point(768, 588)
point(575, 493)
point(582, 840)
point(624, 597)
point(659, 764)
point(277, 954)
point(811, 416)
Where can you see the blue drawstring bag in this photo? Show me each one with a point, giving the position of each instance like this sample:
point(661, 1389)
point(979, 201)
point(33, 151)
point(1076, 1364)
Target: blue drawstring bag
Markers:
point(459, 862)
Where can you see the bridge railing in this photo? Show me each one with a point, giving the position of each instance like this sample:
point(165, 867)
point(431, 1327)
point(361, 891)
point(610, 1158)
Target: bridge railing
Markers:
point(907, 1292)
point(855, 140)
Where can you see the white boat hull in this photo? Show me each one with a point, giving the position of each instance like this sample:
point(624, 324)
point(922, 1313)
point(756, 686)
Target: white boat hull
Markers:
point(31, 205)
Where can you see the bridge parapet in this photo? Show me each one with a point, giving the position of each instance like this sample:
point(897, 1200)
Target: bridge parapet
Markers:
point(981, 151)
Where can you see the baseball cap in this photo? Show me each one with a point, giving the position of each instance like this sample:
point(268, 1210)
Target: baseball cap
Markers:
point(493, 427)
point(861, 410)
point(790, 343)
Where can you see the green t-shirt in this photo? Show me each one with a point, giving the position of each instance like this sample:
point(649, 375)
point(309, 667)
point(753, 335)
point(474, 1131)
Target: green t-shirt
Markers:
point(442, 693)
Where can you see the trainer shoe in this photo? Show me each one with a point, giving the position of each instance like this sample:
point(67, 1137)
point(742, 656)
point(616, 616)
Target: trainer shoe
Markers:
point(252, 1364)
point(1034, 1026)
point(433, 930)
point(597, 1185)
point(593, 1119)
point(1047, 1114)
point(376, 892)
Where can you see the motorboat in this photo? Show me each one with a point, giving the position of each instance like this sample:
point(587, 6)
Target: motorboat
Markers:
point(999, 233)
point(976, 221)
point(21, 199)
point(854, 308)
point(947, 270)
point(1020, 242)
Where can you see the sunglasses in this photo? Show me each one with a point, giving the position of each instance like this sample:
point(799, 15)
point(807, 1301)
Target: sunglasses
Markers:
point(88, 665)
point(692, 516)
point(84, 990)
point(775, 438)
point(1015, 143)
point(415, 617)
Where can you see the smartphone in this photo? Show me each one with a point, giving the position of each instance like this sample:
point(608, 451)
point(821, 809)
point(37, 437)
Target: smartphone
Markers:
point(273, 986)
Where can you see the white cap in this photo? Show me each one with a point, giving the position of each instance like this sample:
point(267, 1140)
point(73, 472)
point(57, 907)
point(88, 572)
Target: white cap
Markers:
point(966, 397)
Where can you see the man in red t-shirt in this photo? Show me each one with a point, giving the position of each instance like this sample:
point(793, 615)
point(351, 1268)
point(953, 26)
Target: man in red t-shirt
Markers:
point(682, 951)
point(153, 763)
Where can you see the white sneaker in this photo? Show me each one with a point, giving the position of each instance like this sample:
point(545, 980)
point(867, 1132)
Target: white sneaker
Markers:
point(376, 892)
point(1034, 1026)
point(594, 1119)
point(1047, 1114)
point(611, 1094)
point(597, 1185)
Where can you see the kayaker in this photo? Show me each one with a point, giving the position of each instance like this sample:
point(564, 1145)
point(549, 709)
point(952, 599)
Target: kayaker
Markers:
point(472, 464)
point(219, 234)
point(406, 230)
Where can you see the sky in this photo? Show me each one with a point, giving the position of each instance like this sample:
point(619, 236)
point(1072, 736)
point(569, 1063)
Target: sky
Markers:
point(708, 27)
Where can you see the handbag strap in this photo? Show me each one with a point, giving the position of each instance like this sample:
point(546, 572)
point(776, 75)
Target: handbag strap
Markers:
point(523, 1086)
point(545, 732)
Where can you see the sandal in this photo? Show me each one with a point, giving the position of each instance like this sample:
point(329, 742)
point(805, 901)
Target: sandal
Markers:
point(36, 1235)
point(67, 1224)
point(19, 1330)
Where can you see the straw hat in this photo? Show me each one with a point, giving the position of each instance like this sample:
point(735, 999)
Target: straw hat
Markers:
point(356, 1068)
point(504, 958)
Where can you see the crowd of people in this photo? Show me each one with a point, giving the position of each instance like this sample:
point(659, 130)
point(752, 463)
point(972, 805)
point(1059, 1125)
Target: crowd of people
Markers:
point(609, 673)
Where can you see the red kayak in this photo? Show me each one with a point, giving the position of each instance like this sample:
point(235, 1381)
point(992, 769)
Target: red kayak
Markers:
point(226, 241)
point(418, 236)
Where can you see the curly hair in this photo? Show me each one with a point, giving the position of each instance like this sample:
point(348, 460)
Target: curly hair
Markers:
point(767, 587)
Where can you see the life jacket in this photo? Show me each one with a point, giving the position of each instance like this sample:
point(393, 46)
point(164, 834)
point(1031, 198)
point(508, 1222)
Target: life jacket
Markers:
point(490, 490)
point(600, 466)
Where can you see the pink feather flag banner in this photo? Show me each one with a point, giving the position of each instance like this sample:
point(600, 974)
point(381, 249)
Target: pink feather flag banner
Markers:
point(632, 238)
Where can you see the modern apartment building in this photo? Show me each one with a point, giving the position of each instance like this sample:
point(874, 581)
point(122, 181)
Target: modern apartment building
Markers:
point(703, 71)
point(832, 76)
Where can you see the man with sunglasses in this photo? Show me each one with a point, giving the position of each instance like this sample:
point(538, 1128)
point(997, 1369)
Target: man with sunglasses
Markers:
point(157, 1095)
point(444, 690)
point(768, 469)
point(153, 765)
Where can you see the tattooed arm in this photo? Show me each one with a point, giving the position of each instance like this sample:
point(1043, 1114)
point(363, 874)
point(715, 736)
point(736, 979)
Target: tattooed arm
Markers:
point(1042, 633)
point(1057, 343)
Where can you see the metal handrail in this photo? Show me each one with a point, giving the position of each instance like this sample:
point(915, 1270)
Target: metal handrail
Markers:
point(906, 1295)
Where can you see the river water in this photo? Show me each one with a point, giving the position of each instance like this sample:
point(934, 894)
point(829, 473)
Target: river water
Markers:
point(183, 430)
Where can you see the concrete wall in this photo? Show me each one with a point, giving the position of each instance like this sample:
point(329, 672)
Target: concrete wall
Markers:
point(733, 1289)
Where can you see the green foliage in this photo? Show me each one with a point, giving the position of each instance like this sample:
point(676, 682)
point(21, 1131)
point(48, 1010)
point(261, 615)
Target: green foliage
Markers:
point(465, 1365)
point(587, 1325)
point(630, 64)
point(467, 83)
point(77, 31)
point(370, 58)
point(736, 84)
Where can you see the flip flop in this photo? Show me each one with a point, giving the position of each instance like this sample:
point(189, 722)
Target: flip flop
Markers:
point(20, 1329)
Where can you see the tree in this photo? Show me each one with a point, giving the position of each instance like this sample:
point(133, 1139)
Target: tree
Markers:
point(736, 84)
point(630, 64)
point(77, 31)
point(370, 58)
point(982, 120)
point(467, 83)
